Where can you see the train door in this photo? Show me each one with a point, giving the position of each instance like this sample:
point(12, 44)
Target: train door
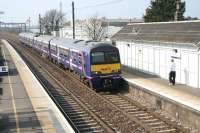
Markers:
point(82, 64)
point(67, 59)
point(57, 54)
point(71, 59)
point(49, 49)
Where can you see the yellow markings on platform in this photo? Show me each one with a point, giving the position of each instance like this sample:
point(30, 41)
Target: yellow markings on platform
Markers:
point(105, 68)
point(13, 99)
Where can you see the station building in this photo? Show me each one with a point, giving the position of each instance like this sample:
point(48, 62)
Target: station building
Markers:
point(149, 47)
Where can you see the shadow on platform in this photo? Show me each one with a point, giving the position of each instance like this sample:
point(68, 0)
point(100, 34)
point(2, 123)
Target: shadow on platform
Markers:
point(28, 122)
point(13, 72)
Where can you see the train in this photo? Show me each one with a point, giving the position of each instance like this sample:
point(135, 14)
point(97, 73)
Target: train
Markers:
point(97, 63)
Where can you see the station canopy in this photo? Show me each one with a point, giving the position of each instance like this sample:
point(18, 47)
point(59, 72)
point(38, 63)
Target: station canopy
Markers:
point(179, 32)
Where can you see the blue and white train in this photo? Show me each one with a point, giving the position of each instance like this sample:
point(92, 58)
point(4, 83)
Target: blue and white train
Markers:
point(97, 63)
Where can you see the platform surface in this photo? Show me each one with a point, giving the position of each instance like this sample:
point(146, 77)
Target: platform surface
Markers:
point(179, 93)
point(24, 106)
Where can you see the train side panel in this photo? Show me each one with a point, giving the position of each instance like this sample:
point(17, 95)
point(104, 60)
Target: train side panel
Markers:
point(76, 55)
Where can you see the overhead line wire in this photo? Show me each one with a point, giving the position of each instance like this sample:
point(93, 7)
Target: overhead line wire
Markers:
point(101, 4)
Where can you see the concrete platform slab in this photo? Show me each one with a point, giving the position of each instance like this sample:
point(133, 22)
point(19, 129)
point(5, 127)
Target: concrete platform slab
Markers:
point(180, 93)
point(180, 102)
point(25, 106)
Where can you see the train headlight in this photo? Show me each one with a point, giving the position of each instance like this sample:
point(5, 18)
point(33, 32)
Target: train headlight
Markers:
point(96, 72)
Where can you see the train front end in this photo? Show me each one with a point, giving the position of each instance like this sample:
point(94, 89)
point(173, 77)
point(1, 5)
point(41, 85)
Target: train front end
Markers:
point(105, 67)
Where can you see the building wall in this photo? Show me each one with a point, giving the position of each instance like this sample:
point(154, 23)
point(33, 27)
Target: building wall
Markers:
point(68, 33)
point(156, 59)
point(81, 34)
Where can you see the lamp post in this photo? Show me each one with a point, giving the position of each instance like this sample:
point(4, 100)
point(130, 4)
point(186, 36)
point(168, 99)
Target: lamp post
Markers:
point(73, 19)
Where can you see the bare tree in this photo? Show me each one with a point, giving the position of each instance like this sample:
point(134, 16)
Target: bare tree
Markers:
point(95, 29)
point(52, 21)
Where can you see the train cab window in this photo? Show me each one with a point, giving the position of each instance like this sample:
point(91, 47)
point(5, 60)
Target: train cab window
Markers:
point(97, 57)
point(108, 57)
point(80, 60)
point(111, 57)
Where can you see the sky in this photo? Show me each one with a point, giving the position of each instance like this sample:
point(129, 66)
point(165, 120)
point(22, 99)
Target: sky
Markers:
point(21, 10)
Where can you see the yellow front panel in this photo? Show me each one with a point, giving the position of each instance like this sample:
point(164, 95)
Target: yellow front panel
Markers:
point(105, 68)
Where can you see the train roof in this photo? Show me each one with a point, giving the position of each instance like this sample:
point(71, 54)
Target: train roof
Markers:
point(67, 43)
point(89, 45)
point(27, 34)
point(63, 42)
point(44, 38)
point(78, 44)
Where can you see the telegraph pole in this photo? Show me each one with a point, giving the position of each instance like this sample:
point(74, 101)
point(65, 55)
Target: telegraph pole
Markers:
point(73, 19)
point(40, 24)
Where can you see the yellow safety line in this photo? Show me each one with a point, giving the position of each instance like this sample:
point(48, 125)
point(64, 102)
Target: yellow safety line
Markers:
point(13, 100)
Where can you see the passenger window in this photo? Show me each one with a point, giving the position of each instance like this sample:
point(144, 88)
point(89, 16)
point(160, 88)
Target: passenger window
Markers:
point(66, 57)
point(80, 62)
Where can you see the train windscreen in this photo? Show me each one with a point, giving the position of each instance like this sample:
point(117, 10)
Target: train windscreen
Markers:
point(108, 57)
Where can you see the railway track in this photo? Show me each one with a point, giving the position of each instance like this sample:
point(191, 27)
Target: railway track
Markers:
point(83, 120)
point(111, 111)
point(149, 117)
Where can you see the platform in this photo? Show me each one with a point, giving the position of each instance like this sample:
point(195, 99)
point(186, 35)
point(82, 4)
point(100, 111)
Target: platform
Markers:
point(180, 93)
point(24, 104)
